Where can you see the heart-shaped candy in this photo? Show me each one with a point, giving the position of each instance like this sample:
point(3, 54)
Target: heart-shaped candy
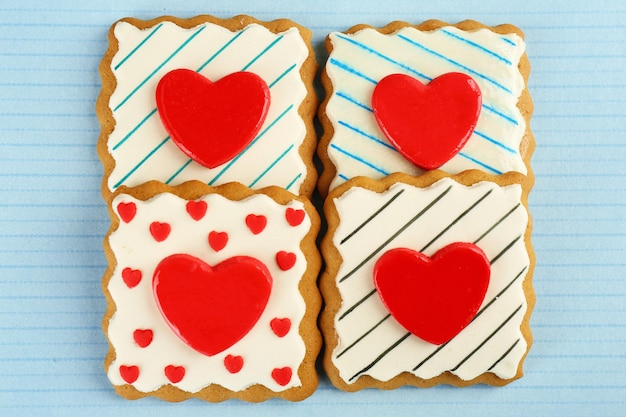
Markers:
point(427, 124)
point(211, 308)
point(433, 298)
point(212, 122)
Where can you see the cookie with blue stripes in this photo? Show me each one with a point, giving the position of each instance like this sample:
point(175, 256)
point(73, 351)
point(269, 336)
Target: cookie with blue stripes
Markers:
point(208, 99)
point(427, 280)
point(393, 101)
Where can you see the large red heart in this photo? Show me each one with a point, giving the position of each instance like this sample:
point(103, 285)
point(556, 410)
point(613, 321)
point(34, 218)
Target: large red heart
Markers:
point(433, 298)
point(212, 122)
point(211, 308)
point(428, 124)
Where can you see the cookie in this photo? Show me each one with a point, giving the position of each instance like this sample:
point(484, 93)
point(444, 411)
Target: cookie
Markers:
point(210, 100)
point(211, 293)
point(467, 82)
point(427, 280)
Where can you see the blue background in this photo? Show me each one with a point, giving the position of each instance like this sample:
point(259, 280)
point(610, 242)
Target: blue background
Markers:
point(53, 220)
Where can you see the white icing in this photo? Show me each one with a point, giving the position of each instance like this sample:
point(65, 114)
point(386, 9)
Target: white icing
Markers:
point(136, 307)
point(165, 49)
point(358, 204)
point(355, 58)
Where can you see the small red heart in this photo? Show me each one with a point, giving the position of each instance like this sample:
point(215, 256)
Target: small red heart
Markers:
point(129, 373)
point(255, 223)
point(174, 373)
point(212, 122)
point(131, 277)
point(294, 216)
point(127, 211)
point(433, 298)
point(196, 209)
point(280, 327)
point(160, 231)
point(285, 260)
point(218, 240)
point(428, 124)
point(143, 337)
point(233, 363)
point(211, 308)
point(282, 376)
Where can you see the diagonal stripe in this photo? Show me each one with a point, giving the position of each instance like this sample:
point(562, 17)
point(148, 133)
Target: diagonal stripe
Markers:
point(352, 100)
point(495, 142)
point(478, 46)
point(263, 52)
point(179, 170)
point(381, 356)
point(293, 181)
point(370, 218)
point(266, 170)
point(358, 303)
point(500, 220)
point(482, 164)
point(219, 51)
point(366, 135)
point(499, 113)
point(456, 63)
point(397, 233)
point(280, 77)
point(505, 250)
point(359, 159)
point(136, 48)
point(385, 57)
point(504, 355)
point(351, 70)
point(172, 55)
point(363, 336)
point(259, 136)
point(134, 129)
point(136, 167)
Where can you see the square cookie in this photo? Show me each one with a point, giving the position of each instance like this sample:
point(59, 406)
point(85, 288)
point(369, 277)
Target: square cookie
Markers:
point(211, 293)
point(357, 129)
point(428, 281)
point(198, 125)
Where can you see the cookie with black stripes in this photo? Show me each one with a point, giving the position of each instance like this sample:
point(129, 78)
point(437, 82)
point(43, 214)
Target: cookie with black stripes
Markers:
point(208, 99)
point(405, 98)
point(427, 281)
point(211, 293)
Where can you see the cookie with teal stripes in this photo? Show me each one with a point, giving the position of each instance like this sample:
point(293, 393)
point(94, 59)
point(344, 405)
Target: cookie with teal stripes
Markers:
point(211, 293)
point(410, 99)
point(208, 99)
point(427, 280)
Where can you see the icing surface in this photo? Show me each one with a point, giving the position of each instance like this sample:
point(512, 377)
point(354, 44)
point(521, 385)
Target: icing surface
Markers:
point(359, 61)
point(140, 145)
point(371, 342)
point(272, 347)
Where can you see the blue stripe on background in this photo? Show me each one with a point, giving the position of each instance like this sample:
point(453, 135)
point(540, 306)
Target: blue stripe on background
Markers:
point(180, 48)
point(359, 159)
point(478, 46)
point(385, 57)
point(136, 48)
point(458, 64)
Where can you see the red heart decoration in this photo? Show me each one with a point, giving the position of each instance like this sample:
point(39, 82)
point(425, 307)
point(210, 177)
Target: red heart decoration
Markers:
point(282, 376)
point(143, 337)
point(285, 260)
point(433, 298)
point(160, 231)
point(127, 211)
point(212, 122)
point(233, 364)
point(294, 216)
point(428, 124)
point(280, 327)
point(211, 308)
point(218, 240)
point(255, 223)
point(129, 373)
point(196, 209)
point(174, 373)
point(131, 277)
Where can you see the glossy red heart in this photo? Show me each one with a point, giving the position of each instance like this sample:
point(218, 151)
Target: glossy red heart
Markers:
point(160, 231)
point(127, 211)
point(280, 327)
point(285, 260)
point(212, 122)
point(129, 373)
point(174, 373)
point(211, 308)
point(282, 376)
point(256, 223)
point(233, 364)
point(294, 216)
point(196, 209)
point(218, 240)
point(433, 298)
point(143, 337)
point(427, 124)
point(131, 277)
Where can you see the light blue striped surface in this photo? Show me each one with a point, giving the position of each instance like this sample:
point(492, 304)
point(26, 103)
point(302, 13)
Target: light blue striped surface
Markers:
point(52, 219)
